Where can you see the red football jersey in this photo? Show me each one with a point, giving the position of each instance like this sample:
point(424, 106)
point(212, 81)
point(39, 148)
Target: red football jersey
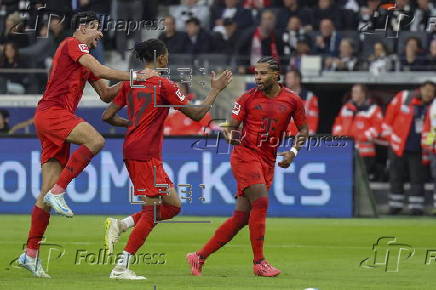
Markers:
point(67, 76)
point(144, 136)
point(265, 120)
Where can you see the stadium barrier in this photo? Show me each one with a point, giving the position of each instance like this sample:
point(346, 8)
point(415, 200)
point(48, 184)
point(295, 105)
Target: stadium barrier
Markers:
point(318, 184)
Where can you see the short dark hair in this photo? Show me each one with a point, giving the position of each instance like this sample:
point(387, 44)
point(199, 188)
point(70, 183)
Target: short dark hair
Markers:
point(83, 17)
point(428, 83)
point(193, 20)
point(273, 63)
point(145, 50)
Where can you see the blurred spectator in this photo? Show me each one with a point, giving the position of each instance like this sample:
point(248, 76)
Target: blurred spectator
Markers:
point(366, 14)
point(303, 48)
point(292, 34)
point(127, 10)
point(57, 32)
point(293, 81)
point(412, 59)
point(232, 10)
point(380, 60)
point(260, 41)
point(190, 9)
point(178, 124)
point(257, 4)
point(361, 120)
point(200, 41)
point(402, 128)
point(328, 42)
point(175, 41)
point(346, 61)
point(326, 10)
point(16, 82)
point(292, 9)
point(431, 58)
point(4, 122)
point(228, 39)
point(424, 10)
point(13, 31)
point(351, 5)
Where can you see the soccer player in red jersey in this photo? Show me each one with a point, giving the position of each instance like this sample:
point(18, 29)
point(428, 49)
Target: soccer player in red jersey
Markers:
point(265, 112)
point(147, 110)
point(57, 126)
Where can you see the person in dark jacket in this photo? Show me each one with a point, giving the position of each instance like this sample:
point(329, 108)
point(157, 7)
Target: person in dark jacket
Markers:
point(176, 41)
point(200, 41)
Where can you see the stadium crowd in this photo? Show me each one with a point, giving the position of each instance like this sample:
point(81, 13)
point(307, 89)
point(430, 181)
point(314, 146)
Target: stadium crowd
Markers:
point(234, 32)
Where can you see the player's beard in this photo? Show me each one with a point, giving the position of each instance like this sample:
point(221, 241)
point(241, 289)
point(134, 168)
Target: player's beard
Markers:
point(93, 44)
point(266, 88)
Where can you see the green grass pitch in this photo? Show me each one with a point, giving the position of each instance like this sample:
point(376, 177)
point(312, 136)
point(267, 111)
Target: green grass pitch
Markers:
point(312, 253)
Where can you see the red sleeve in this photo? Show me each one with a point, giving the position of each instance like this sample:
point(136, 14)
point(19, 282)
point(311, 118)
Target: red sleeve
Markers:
point(172, 94)
point(299, 113)
point(76, 49)
point(92, 77)
point(239, 107)
point(120, 98)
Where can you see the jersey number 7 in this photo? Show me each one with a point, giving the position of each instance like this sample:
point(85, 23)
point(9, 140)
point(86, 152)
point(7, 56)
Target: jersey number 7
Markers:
point(143, 99)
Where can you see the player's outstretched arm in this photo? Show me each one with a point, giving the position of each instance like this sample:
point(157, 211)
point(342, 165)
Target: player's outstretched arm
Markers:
point(106, 93)
point(105, 72)
point(110, 116)
point(217, 85)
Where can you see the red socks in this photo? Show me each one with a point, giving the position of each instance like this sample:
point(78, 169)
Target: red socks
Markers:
point(141, 230)
point(257, 226)
point(75, 165)
point(225, 233)
point(167, 211)
point(39, 223)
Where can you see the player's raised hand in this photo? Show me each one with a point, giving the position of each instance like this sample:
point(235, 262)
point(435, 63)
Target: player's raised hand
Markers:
point(222, 81)
point(145, 74)
point(288, 157)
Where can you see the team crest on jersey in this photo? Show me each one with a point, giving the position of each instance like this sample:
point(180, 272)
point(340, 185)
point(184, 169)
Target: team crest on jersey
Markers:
point(180, 95)
point(236, 108)
point(83, 48)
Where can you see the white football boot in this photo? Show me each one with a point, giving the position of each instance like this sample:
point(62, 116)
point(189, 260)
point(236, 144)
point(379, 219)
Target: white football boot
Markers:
point(33, 265)
point(57, 202)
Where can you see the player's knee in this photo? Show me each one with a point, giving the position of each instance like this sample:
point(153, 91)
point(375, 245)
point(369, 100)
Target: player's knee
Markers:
point(261, 202)
point(97, 144)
